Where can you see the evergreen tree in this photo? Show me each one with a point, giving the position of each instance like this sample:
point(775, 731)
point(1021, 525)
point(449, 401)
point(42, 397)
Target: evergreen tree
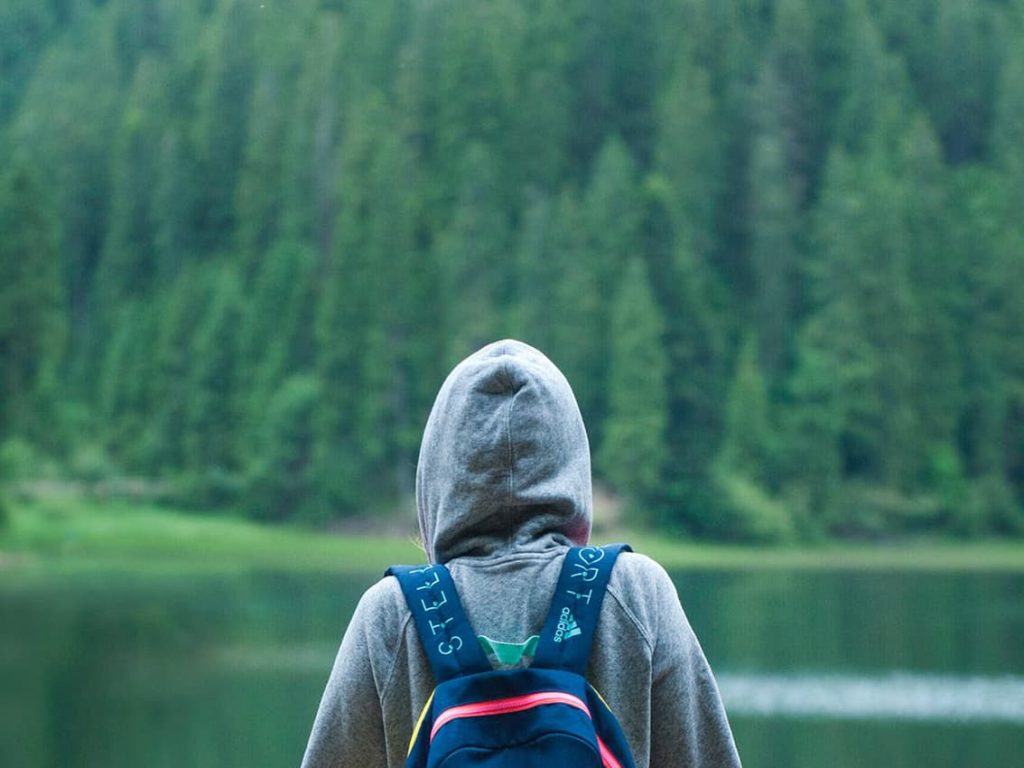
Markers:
point(611, 217)
point(63, 125)
point(575, 346)
point(632, 453)
point(694, 349)
point(811, 464)
point(773, 249)
point(747, 447)
point(276, 335)
point(536, 275)
point(612, 211)
point(223, 104)
point(128, 260)
point(689, 155)
point(280, 483)
point(745, 468)
point(309, 151)
point(473, 90)
point(313, 210)
point(861, 284)
point(538, 138)
point(32, 305)
point(212, 417)
point(371, 322)
point(614, 71)
point(471, 256)
point(173, 207)
point(258, 199)
point(126, 384)
point(174, 358)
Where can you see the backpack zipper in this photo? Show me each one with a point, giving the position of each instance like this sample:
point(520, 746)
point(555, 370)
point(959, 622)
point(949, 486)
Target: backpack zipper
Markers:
point(519, 704)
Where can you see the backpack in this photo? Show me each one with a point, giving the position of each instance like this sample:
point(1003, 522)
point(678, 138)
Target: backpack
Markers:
point(546, 714)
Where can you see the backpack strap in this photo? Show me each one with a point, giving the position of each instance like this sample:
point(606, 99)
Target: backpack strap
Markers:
point(572, 619)
point(445, 633)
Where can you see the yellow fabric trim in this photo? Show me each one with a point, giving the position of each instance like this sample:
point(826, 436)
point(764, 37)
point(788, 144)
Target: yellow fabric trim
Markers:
point(423, 714)
point(602, 699)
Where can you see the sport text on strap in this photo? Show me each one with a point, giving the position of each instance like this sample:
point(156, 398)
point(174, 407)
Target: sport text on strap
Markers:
point(569, 629)
point(445, 633)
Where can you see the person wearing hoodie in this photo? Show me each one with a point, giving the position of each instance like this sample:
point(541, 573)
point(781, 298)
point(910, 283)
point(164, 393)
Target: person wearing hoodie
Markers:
point(503, 489)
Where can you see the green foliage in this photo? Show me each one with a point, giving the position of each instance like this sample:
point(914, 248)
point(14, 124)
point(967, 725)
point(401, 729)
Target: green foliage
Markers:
point(747, 447)
point(19, 460)
point(212, 410)
point(633, 453)
point(748, 512)
point(32, 319)
point(775, 247)
point(745, 469)
point(280, 482)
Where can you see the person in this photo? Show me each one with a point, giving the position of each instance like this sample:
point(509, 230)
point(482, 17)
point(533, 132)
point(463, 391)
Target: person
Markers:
point(503, 489)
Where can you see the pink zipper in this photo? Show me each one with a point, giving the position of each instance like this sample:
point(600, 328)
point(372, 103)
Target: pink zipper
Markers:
point(607, 758)
point(518, 704)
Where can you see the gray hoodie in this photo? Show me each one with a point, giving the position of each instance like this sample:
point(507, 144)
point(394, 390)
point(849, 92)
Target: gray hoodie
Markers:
point(502, 489)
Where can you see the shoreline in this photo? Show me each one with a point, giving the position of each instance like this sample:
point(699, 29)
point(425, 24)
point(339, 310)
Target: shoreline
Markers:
point(70, 535)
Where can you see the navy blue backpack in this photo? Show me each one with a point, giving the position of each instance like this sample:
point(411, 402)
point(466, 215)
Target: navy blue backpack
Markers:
point(546, 714)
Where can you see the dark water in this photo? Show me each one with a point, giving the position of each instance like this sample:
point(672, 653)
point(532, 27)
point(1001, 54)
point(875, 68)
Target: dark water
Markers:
point(816, 668)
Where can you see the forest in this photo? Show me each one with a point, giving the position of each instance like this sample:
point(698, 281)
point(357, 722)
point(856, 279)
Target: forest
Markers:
point(775, 246)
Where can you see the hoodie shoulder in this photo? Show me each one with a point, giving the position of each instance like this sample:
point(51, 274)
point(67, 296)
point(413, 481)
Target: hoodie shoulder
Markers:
point(644, 590)
point(379, 622)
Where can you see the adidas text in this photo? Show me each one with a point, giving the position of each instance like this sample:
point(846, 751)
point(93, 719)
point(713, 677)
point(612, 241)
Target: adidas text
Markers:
point(567, 626)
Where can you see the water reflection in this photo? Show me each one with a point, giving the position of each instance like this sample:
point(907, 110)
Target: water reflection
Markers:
point(897, 696)
point(122, 669)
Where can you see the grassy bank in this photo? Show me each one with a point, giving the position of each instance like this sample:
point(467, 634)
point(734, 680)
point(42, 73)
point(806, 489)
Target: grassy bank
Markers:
point(62, 532)
point(73, 532)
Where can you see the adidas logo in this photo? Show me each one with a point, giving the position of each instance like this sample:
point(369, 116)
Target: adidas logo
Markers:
point(567, 626)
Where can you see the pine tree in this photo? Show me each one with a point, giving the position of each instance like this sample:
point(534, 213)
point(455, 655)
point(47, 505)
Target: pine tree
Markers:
point(212, 418)
point(614, 75)
point(612, 211)
point(694, 345)
point(773, 250)
point(744, 472)
point(689, 155)
point(258, 200)
point(279, 485)
point(632, 453)
point(308, 182)
point(174, 356)
point(471, 257)
point(128, 263)
point(275, 337)
point(575, 347)
point(473, 90)
point(779, 181)
point(538, 137)
point(64, 124)
point(955, 66)
point(32, 304)
point(127, 381)
point(611, 217)
point(374, 314)
point(223, 105)
point(747, 447)
point(536, 275)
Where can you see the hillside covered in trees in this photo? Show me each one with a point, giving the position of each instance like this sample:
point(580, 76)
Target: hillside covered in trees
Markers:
point(776, 247)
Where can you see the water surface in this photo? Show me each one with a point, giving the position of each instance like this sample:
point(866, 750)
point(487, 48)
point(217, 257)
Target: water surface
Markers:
point(816, 668)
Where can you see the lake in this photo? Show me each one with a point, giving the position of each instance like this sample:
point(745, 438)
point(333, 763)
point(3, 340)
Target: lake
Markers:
point(880, 668)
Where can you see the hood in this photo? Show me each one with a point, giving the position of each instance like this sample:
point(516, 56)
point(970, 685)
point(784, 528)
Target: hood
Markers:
point(504, 463)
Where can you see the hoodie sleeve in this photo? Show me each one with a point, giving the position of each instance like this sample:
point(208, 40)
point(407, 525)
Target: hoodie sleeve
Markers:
point(349, 730)
point(689, 726)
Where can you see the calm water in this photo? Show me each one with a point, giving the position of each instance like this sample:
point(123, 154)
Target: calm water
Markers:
point(839, 669)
